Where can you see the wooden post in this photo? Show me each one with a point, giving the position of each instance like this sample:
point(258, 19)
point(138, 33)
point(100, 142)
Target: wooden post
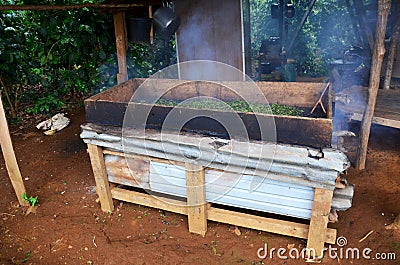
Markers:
point(392, 51)
point(9, 157)
point(100, 176)
point(122, 45)
point(196, 199)
point(319, 222)
point(151, 26)
point(376, 66)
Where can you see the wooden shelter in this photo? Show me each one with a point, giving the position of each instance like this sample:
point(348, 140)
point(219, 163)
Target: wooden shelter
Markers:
point(224, 27)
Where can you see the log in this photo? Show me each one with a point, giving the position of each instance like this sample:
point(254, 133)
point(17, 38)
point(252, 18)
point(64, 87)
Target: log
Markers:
point(376, 66)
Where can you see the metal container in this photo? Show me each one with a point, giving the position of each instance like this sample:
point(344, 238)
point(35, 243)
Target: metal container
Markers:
point(138, 29)
point(166, 22)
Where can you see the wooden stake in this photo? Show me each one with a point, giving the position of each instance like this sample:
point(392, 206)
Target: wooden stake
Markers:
point(196, 199)
point(376, 66)
point(121, 40)
point(9, 157)
point(319, 221)
point(100, 176)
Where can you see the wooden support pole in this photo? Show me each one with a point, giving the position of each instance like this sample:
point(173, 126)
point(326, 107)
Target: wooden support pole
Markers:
point(392, 51)
point(319, 222)
point(376, 66)
point(196, 199)
point(100, 176)
point(151, 26)
point(121, 40)
point(9, 157)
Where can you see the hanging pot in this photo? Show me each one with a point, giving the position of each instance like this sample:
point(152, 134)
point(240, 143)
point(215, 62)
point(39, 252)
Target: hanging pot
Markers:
point(166, 22)
point(138, 29)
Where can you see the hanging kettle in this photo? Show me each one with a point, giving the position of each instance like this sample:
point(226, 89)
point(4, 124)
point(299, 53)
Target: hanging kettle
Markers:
point(166, 22)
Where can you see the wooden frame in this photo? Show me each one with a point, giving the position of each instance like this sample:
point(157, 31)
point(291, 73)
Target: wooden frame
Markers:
point(199, 211)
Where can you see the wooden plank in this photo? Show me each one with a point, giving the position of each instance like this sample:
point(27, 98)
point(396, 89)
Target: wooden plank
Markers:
point(301, 94)
point(148, 200)
point(196, 199)
point(330, 101)
point(100, 176)
point(221, 215)
point(378, 120)
point(319, 220)
point(121, 43)
point(387, 108)
point(266, 224)
point(9, 157)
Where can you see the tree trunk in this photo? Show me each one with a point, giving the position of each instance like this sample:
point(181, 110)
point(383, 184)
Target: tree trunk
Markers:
point(376, 66)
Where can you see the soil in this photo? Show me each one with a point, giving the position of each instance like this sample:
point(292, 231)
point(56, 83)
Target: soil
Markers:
point(70, 228)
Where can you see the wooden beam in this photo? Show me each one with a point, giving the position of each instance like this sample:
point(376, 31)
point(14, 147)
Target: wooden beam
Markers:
point(148, 200)
point(224, 216)
point(121, 40)
point(266, 224)
point(9, 157)
point(376, 66)
point(378, 120)
point(196, 199)
point(319, 221)
point(66, 7)
point(100, 176)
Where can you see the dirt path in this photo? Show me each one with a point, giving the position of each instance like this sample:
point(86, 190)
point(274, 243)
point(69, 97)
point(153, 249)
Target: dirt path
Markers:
point(70, 228)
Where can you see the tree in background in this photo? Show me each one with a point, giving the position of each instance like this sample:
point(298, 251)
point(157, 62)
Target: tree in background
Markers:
point(50, 57)
point(326, 34)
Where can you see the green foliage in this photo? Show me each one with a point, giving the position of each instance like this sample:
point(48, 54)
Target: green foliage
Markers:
point(26, 258)
point(50, 57)
point(31, 200)
point(53, 54)
point(236, 105)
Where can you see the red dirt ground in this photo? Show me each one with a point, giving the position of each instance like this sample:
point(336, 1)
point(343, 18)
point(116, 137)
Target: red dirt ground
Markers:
point(70, 228)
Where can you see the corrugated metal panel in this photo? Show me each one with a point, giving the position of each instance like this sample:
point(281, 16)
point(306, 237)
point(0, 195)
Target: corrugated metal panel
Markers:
point(290, 164)
point(271, 196)
point(136, 175)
